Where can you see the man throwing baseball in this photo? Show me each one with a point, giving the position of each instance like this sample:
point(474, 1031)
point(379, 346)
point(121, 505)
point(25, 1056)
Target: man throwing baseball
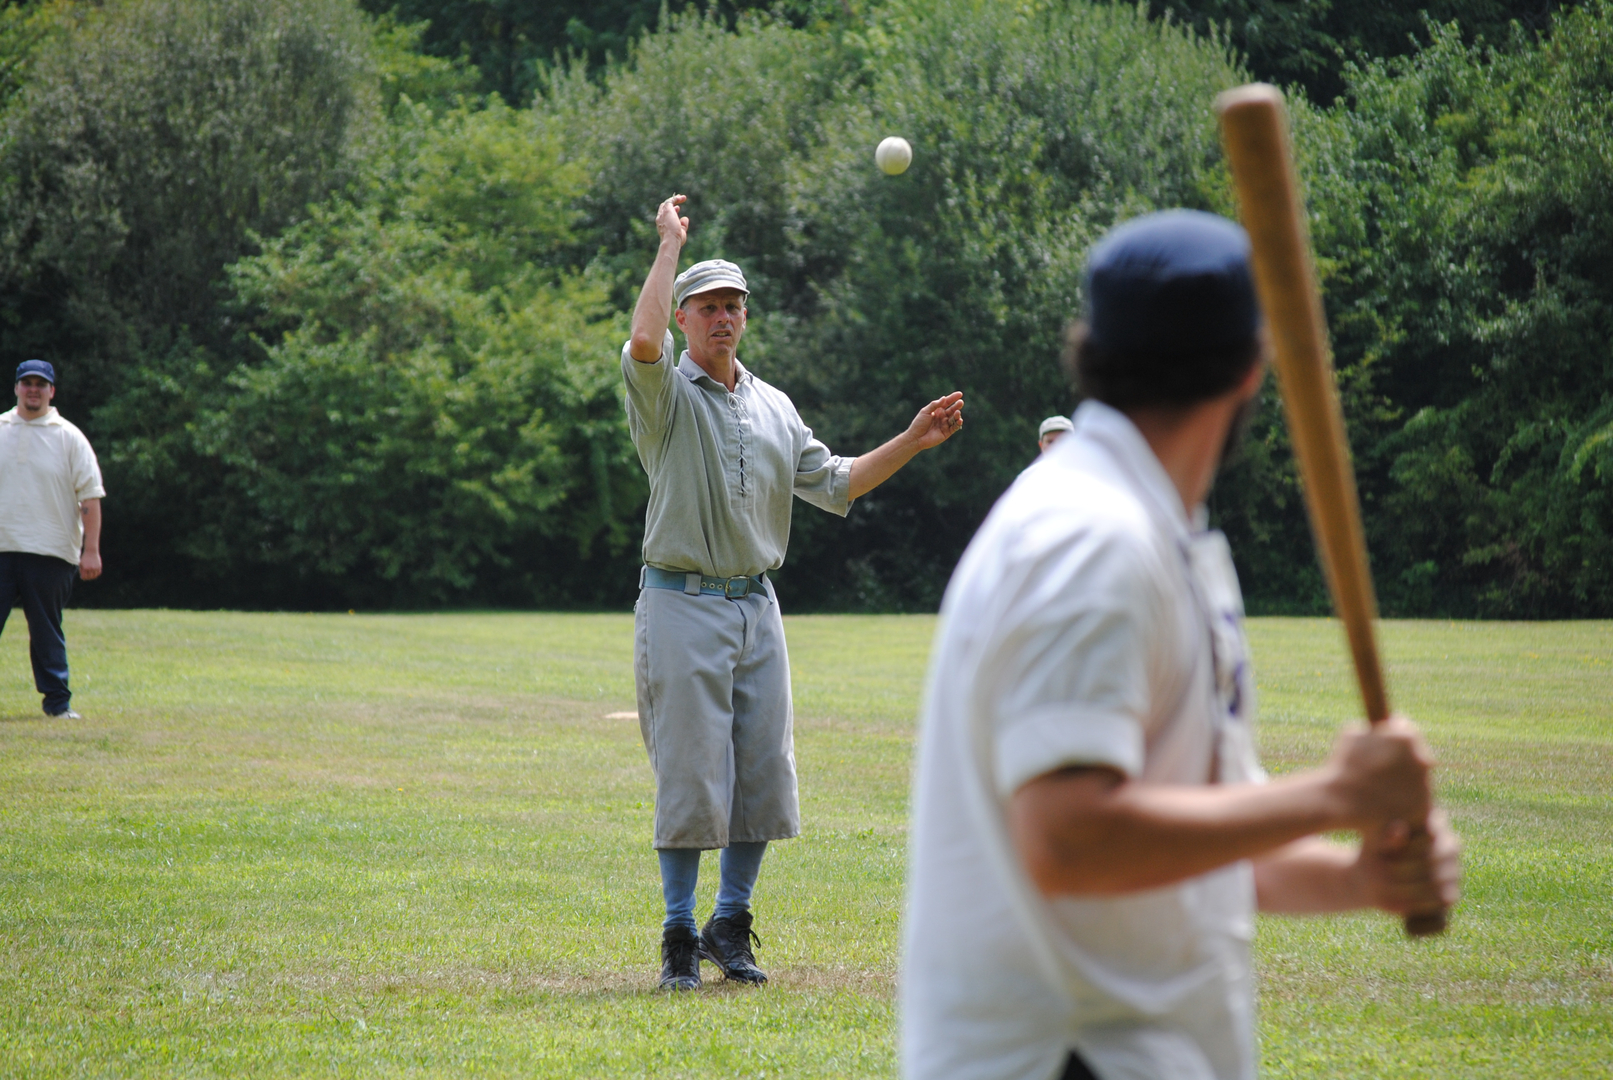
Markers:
point(726, 454)
point(1092, 831)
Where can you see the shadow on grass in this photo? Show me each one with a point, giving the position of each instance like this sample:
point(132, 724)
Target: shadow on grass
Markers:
point(20, 718)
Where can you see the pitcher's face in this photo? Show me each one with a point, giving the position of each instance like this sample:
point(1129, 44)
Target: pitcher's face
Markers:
point(713, 322)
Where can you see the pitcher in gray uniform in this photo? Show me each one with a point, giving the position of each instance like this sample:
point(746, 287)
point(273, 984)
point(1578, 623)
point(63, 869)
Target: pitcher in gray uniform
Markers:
point(726, 454)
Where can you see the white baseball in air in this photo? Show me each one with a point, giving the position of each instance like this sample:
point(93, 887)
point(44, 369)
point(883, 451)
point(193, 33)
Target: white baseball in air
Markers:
point(893, 155)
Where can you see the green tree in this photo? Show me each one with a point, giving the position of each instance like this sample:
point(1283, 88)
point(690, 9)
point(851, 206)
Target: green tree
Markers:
point(25, 26)
point(1035, 129)
point(513, 42)
point(1308, 42)
point(435, 417)
point(1456, 211)
point(147, 147)
point(1034, 126)
point(1478, 291)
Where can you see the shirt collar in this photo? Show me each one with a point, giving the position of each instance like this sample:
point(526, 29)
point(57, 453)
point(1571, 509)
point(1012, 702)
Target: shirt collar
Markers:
point(1112, 430)
point(694, 372)
point(13, 417)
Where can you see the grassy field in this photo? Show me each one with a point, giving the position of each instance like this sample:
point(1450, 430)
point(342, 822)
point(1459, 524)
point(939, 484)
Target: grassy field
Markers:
point(355, 845)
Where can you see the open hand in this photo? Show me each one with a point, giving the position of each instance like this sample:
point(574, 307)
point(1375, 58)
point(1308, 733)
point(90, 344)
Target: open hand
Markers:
point(938, 421)
point(669, 224)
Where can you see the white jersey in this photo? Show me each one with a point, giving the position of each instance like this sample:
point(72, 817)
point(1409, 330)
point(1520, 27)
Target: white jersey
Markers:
point(1090, 622)
point(46, 469)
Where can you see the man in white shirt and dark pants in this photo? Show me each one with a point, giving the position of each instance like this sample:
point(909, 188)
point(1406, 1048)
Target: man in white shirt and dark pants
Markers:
point(50, 524)
point(1092, 832)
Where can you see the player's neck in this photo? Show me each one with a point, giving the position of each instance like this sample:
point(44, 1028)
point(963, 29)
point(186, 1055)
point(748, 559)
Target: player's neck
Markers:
point(719, 366)
point(1187, 440)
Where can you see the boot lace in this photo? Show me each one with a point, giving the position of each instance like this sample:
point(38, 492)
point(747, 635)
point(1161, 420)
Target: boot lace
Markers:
point(736, 940)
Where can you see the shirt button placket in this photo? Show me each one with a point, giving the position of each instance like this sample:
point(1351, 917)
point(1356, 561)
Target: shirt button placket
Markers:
point(743, 428)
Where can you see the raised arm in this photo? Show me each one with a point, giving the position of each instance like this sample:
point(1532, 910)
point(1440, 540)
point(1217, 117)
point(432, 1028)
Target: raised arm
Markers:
point(653, 312)
point(935, 424)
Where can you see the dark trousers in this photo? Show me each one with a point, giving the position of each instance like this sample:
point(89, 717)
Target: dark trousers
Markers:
point(43, 583)
point(1076, 1069)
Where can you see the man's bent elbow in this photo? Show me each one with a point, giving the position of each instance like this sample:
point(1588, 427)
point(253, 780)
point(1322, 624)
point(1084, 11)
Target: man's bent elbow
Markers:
point(643, 349)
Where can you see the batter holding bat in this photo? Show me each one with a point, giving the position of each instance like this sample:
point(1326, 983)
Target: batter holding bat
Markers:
point(1092, 831)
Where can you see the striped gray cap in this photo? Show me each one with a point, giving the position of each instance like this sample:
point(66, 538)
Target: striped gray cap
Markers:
point(1054, 423)
point(706, 277)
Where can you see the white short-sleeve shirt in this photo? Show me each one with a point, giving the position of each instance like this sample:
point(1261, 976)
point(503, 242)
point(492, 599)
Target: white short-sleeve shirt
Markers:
point(46, 469)
point(1090, 622)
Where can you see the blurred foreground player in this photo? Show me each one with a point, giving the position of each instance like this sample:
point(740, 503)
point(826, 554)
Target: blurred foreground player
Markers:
point(50, 524)
point(726, 456)
point(1092, 831)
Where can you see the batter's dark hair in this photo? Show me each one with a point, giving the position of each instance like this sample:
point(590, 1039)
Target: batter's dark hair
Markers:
point(1133, 380)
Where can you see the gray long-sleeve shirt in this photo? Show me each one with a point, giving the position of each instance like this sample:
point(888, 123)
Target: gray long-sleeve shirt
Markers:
point(723, 467)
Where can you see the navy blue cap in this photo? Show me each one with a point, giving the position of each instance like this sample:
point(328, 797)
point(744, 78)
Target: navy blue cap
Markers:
point(41, 368)
point(1171, 282)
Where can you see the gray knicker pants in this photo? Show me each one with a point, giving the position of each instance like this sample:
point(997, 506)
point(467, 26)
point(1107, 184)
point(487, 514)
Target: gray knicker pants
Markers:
point(714, 707)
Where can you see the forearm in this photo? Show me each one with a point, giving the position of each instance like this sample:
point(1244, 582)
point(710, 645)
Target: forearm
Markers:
point(1309, 876)
point(92, 526)
point(1088, 833)
point(653, 312)
point(872, 469)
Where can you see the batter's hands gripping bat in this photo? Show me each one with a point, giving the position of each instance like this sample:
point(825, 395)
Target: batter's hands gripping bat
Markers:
point(1254, 129)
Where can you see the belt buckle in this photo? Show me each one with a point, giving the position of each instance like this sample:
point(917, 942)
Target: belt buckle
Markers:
point(728, 588)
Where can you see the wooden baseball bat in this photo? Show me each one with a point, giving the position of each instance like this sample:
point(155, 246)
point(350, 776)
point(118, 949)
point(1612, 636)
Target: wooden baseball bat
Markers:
point(1254, 128)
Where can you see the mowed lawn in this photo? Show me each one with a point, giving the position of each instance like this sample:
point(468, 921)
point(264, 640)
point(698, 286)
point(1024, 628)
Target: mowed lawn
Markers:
point(376, 845)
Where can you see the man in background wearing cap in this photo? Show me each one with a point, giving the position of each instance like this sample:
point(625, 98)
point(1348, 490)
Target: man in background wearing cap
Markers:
point(1050, 431)
point(725, 453)
point(1092, 832)
point(50, 524)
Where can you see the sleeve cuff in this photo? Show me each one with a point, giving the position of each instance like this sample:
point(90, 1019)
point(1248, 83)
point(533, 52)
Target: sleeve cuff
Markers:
point(1058, 736)
point(840, 487)
point(95, 492)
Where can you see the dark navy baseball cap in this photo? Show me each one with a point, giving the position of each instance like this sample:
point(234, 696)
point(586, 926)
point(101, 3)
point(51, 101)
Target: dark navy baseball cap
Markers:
point(1172, 282)
point(41, 368)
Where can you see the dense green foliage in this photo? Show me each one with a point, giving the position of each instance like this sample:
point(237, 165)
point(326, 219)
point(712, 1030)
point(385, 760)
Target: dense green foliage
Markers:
point(437, 397)
point(1308, 42)
point(343, 323)
point(512, 44)
point(147, 146)
point(1473, 284)
point(873, 295)
point(1458, 204)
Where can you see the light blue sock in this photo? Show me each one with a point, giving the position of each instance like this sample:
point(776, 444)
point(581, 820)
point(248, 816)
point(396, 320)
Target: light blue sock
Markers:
point(680, 871)
point(740, 865)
